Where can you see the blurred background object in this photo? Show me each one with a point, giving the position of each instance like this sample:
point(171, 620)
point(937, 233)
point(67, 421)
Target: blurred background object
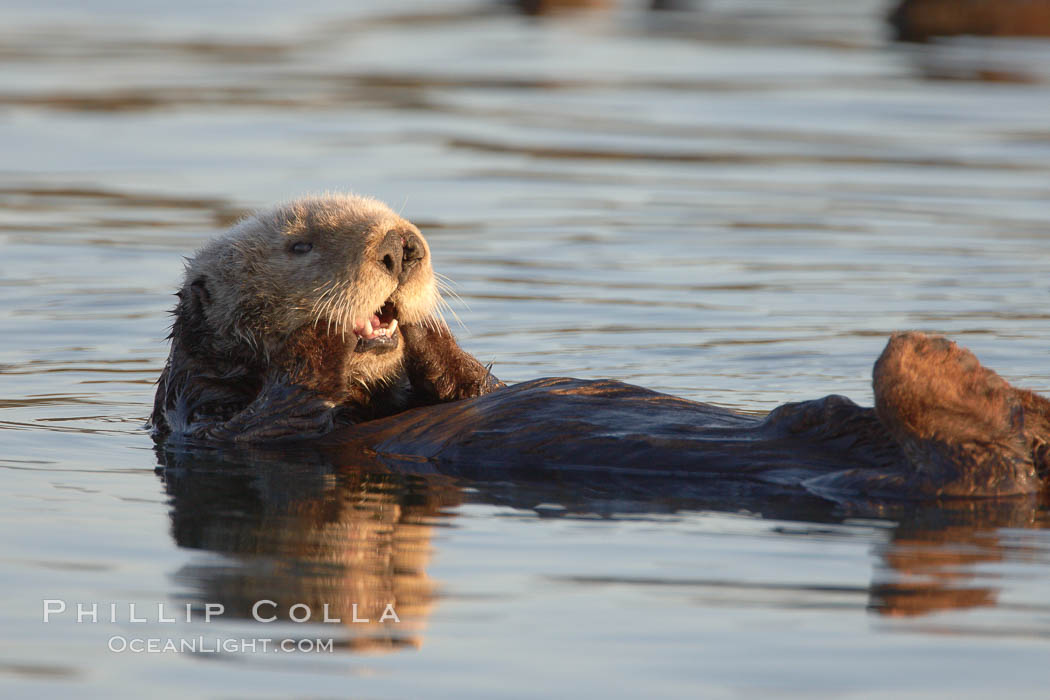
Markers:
point(922, 20)
point(543, 7)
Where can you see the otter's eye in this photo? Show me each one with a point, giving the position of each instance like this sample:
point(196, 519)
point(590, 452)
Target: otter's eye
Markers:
point(302, 247)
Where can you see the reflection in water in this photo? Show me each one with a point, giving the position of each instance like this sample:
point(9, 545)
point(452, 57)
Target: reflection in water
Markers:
point(355, 541)
point(930, 563)
point(346, 531)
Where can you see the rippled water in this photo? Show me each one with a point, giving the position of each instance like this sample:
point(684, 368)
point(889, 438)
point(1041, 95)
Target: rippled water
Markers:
point(734, 203)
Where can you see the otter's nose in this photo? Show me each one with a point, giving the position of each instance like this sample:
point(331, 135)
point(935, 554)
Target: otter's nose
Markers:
point(391, 253)
point(399, 252)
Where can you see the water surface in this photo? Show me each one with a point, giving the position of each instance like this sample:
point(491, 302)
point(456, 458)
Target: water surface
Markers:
point(735, 204)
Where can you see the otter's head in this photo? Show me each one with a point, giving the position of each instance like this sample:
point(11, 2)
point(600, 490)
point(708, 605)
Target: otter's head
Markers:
point(342, 263)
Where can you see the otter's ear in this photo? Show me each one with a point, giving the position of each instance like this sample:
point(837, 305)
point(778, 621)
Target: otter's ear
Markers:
point(199, 290)
point(189, 330)
point(190, 317)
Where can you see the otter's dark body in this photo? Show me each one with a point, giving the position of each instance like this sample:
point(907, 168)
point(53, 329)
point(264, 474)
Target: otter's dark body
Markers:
point(287, 329)
point(829, 445)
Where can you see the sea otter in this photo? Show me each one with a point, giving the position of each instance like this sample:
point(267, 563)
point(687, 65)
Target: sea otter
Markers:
point(318, 319)
point(293, 323)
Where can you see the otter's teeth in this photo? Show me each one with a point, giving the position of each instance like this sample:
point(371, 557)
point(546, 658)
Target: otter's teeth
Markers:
point(368, 329)
point(392, 327)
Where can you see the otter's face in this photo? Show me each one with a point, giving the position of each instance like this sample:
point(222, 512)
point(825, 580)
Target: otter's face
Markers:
point(355, 271)
point(346, 264)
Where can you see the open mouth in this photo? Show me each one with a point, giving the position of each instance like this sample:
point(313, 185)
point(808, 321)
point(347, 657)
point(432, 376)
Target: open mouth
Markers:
point(378, 333)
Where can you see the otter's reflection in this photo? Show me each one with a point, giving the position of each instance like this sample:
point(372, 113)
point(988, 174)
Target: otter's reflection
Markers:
point(312, 541)
point(931, 563)
point(354, 533)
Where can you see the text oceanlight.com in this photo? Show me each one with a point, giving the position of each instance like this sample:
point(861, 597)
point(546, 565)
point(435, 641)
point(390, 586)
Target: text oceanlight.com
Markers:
point(215, 645)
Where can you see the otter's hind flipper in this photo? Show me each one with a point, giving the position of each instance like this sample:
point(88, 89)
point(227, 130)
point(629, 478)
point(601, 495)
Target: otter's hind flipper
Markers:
point(964, 429)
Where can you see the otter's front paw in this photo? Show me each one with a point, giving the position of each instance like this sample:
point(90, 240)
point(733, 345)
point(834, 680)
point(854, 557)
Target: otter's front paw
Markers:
point(415, 336)
point(439, 369)
point(279, 412)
